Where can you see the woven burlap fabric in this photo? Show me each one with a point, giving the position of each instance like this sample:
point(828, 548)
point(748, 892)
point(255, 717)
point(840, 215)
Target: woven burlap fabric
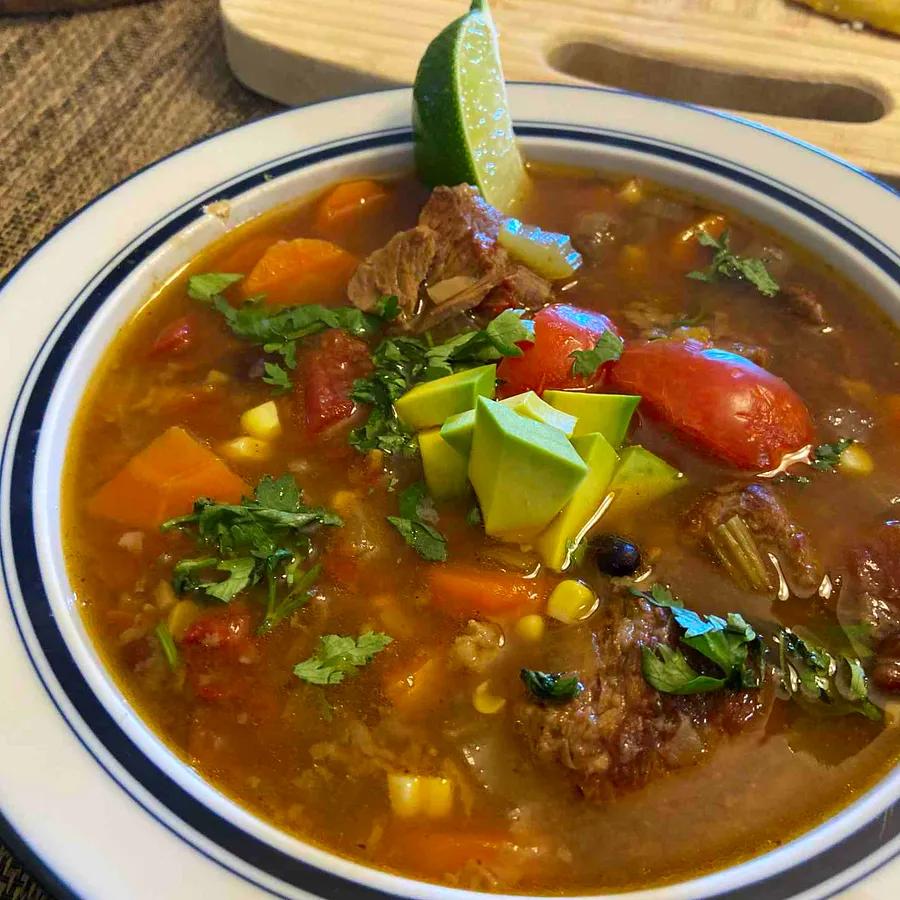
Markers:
point(88, 98)
point(85, 100)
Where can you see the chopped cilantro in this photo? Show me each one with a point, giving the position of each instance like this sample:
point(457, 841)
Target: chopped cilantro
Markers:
point(827, 456)
point(387, 307)
point(277, 377)
point(727, 643)
point(337, 656)
point(552, 686)
point(609, 347)
point(170, 651)
point(822, 681)
point(726, 264)
point(210, 284)
point(401, 362)
point(474, 517)
point(263, 539)
point(426, 540)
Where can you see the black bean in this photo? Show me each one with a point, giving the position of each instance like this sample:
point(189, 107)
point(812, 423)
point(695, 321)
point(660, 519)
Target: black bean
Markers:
point(615, 556)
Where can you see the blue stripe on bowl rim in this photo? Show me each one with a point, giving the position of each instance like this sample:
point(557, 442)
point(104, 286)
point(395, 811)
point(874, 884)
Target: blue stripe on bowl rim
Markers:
point(251, 850)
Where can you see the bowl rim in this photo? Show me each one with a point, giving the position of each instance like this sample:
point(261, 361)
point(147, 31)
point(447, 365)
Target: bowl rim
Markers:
point(6, 827)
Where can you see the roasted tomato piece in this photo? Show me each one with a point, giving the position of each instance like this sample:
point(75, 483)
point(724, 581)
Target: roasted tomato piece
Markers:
point(176, 337)
point(722, 403)
point(219, 629)
point(327, 373)
point(546, 363)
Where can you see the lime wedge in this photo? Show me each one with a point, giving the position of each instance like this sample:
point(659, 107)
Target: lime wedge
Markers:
point(461, 115)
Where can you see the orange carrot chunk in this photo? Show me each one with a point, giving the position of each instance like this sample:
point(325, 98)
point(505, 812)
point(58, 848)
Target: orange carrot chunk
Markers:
point(164, 480)
point(305, 270)
point(346, 201)
point(462, 590)
point(439, 853)
point(687, 252)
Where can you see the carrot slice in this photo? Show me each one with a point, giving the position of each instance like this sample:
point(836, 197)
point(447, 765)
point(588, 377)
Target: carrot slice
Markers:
point(246, 254)
point(344, 202)
point(438, 853)
point(305, 270)
point(163, 480)
point(410, 688)
point(462, 590)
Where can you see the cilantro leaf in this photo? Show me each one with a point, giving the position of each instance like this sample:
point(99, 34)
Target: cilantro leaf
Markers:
point(277, 377)
point(300, 589)
point(279, 493)
point(240, 575)
point(401, 362)
point(585, 363)
point(414, 504)
point(822, 681)
point(474, 517)
point(387, 307)
point(210, 284)
point(667, 670)
point(726, 264)
point(337, 656)
point(827, 456)
point(551, 686)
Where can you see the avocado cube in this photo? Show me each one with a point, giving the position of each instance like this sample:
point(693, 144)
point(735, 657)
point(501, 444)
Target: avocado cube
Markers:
point(587, 504)
point(608, 414)
point(523, 471)
point(446, 471)
point(430, 403)
point(641, 479)
point(457, 430)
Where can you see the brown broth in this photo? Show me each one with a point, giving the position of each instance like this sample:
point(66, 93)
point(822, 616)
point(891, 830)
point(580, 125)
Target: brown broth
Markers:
point(279, 753)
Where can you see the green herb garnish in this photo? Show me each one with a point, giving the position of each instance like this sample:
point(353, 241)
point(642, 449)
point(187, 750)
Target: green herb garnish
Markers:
point(170, 651)
point(727, 643)
point(211, 284)
point(826, 457)
point(426, 540)
point(263, 539)
point(585, 363)
point(402, 362)
point(552, 686)
point(338, 656)
point(726, 264)
point(822, 681)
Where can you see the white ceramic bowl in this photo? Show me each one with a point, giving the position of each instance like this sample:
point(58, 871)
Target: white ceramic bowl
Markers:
point(91, 798)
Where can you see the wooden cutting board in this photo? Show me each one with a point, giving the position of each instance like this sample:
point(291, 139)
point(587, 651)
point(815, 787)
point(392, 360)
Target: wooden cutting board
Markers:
point(825, 82)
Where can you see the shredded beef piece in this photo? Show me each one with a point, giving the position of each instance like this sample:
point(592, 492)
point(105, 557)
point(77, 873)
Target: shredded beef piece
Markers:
point(477, 647)
point(768, 521)
point(466, 228)
point(522, 288)
point(871, 596)
point(594, 234)
point(619, 733)
point(803, 301)
point(398, 268)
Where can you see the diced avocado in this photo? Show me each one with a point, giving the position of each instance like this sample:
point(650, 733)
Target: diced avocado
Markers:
point(446, 471)
point(580, 513)
point(531, 406)
point(608, 414)
point(457, 430)
point(523, 471)
point(430, 403)
point(642, 478)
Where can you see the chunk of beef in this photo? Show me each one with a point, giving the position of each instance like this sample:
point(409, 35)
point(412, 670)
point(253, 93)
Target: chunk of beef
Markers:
point(619, 733)
point(803, 302)
point(521, 289)
point(398, 268)
point(770, 524)
point(871, 596)
point(594, 234)
point(466, 228)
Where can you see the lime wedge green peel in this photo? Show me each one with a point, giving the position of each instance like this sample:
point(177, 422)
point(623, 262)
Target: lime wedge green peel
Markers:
point(461, 115)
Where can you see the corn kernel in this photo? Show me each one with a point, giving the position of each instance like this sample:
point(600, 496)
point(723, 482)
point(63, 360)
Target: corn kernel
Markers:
point(633, 259)
point(164, 595)
point(892, 713)
point(262, 421)
point(530, 627)
point(246, 449)
point(181, 617)
point(214, 376)
point(571, 601)
point(485, 702)
point(856, 460)
point(632, 191)
point(420, 795)
point(344, 502)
